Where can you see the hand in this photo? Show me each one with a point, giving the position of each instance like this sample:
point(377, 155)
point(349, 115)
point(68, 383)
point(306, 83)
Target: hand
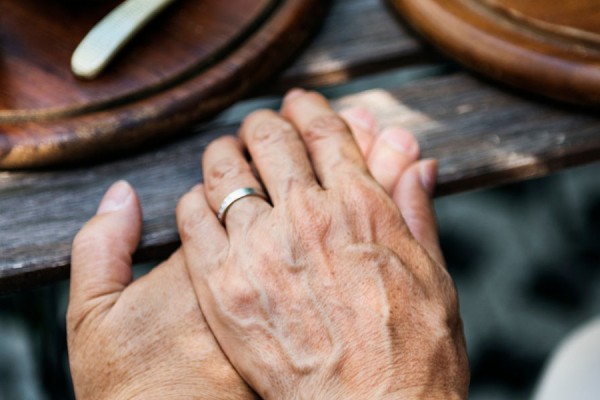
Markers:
point(103, 295)
point(138, 340)
point(333, 291)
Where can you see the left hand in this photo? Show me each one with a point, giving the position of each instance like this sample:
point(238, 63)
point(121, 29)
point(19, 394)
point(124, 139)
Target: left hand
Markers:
point(326, 292)
point(145, 339)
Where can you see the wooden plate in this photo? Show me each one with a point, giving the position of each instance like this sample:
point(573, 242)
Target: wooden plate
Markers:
point(195, 59)
point(548, 47)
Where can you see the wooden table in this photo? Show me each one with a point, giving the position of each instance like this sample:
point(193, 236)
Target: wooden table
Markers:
point(483, 135)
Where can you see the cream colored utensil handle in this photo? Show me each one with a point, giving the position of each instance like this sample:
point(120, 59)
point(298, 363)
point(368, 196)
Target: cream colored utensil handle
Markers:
point(109, 35)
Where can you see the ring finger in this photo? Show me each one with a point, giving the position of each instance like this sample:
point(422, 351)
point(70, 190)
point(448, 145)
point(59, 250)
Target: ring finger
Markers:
point(226, 170)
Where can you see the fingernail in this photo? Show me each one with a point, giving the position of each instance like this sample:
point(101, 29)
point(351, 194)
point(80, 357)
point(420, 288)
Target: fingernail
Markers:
point(116, 198)
point(294, 94)
point(428, 171)
point(361, 118)
point(402, 140)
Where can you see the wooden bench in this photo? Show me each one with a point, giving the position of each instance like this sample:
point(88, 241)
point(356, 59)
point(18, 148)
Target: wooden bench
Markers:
point(483, 135)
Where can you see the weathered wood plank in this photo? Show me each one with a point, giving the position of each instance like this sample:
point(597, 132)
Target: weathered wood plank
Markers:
point(360, 36)
point(481, 135)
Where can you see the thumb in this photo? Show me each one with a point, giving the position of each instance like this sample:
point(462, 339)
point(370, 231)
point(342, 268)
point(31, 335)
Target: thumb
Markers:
point(102, 251)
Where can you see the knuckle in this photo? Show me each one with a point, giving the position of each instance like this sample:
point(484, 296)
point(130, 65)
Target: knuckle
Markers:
point(367, 197)
point(195, 222)
point(270, 131)
point(241, 298)
point(225, 169)
point(311, 224)
point(325, 126)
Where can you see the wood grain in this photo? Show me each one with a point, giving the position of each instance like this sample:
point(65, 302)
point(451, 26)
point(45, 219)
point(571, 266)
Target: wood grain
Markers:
point(577, 19)
point(481, 136)
point(191, 63)
point(548, 47)
point(40, 37)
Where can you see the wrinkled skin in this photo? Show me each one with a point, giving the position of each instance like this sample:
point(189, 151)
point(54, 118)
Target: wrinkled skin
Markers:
point(148, 338)
point(324, 292)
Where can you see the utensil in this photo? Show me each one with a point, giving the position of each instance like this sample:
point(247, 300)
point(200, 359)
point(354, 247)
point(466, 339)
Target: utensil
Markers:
point(111, 34)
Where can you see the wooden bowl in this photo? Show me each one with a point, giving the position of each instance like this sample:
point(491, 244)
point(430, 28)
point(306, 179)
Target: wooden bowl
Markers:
point(547, 47)
point(196, 58)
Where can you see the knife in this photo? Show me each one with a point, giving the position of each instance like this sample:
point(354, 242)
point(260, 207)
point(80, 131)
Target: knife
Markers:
point(109, 35)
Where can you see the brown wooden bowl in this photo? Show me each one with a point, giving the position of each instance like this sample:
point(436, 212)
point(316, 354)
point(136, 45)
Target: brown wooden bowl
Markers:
point(196, 58)
point(547, 47)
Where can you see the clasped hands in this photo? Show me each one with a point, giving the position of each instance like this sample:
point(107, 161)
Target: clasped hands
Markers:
point(335, 288)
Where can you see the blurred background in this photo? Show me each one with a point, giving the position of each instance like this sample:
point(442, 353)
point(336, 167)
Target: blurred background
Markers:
point(525, 258)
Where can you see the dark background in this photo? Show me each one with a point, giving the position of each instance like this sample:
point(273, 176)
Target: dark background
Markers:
point(525, 258)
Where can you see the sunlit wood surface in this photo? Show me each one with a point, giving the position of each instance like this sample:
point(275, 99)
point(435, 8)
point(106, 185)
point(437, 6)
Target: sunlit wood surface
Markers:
point(483, 134)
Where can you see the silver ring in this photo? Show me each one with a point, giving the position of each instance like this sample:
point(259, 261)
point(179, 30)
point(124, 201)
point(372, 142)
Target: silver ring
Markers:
point(233, 197)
